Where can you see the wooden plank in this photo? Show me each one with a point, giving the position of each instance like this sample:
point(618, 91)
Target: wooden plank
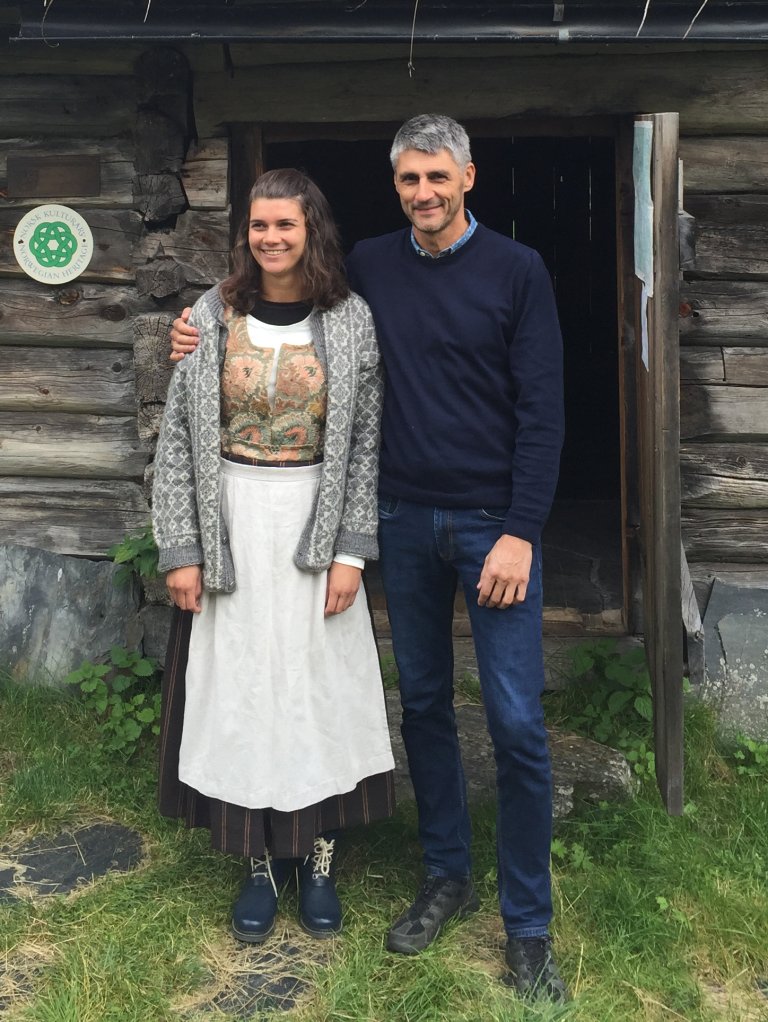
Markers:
point(115, 232)
point(724, 475)
point(116, 156)
point(35, 177)
point(70, 445)
point(712, 411)
point(68, 106)
point(712, 310)
point(247, 163)
point(734, 163)
point(731, 235)
point(725, 535)
point(67, 380)
point(199, 245)
point(88, 315)
point(704, 365)
point(729, 93)
point(205, 174)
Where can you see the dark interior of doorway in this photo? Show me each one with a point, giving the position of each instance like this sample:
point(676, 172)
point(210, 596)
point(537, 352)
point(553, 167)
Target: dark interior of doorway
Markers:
point(558, 196)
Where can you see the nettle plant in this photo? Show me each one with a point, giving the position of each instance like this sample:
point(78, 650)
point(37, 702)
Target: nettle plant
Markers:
point(615, 706)
point(124, 697)
point(136, 554)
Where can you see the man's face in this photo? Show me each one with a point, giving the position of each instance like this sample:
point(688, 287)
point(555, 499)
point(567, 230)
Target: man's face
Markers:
point(431, 189)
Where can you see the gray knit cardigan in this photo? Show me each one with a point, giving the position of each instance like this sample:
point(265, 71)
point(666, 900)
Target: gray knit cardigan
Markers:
point(186, 515)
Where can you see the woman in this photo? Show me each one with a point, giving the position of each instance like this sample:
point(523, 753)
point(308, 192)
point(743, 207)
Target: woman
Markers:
point(274, 727)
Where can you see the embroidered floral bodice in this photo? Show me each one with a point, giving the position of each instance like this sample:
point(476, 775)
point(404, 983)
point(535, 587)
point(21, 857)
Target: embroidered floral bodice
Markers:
point(273, 392)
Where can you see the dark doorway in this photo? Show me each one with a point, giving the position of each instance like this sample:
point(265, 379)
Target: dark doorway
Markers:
point(558, 196)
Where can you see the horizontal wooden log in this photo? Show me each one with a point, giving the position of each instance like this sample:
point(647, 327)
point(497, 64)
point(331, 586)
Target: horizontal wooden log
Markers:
point(89, 532)
point(725, 535)
point(114, 235)
point(731, 236)
point(116, 158)
point(711, 411)
point(67, 380)
point(730, 365)
point(703, 365)
point(714, 310)
point(88, 315)
point(728, 91)
point(68, 105)
point(724, 475)
point(199, 245)
point(93, 495)
point(736, 163)
point(205, 174)
point(63, 445)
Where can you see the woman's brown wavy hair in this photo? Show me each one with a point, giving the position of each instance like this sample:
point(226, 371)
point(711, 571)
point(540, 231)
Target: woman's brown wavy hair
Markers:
point(322, 263)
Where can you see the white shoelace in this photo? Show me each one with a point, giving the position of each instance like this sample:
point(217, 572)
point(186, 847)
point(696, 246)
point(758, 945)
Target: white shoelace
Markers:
point(322, 857)
point(263, 867)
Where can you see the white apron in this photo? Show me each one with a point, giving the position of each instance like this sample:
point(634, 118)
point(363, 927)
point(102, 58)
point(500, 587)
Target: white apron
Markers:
point(284, 707)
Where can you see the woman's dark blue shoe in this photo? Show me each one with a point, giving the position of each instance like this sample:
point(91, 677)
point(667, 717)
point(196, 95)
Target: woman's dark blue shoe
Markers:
point(253, 915)
point(319, 906)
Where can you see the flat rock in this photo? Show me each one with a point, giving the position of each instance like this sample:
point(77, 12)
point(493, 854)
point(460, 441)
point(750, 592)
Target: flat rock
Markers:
point(581, 768)
point(736, 658)
point(56, 611)
point(57, 865)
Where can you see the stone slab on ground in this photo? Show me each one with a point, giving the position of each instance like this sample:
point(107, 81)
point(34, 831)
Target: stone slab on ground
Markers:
point(57, 865)
point(736, 658)
point(580, 768)
point(56, 611)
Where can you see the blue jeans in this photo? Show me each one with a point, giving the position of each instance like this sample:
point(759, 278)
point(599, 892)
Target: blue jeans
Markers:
point(425, 552)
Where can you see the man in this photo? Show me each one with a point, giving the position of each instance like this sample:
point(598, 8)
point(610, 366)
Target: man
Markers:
point(471, 436)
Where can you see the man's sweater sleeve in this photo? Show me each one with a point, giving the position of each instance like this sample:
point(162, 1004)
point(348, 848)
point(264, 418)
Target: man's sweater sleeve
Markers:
point(536, 364)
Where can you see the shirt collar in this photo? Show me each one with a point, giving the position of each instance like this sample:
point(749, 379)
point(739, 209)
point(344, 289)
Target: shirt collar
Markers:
point(471, 225)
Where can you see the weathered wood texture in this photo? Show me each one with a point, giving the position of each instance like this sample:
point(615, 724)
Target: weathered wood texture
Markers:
point(197, 248)
point(723, 412)
point(726, 164)
point(116, 156)
point(70, 516)
point(76, 314)
point(731, 235)
point(725, 535)
point(114, 235)
point(66, 380)
point(68, 106)
point(723, 309)
point(703, 574)
point(737, 366)
point(724, 475)
point(205, 174)
point(71, 445)
point(727, 91)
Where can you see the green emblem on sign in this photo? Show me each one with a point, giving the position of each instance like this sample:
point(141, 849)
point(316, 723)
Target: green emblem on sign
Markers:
point(53, 244)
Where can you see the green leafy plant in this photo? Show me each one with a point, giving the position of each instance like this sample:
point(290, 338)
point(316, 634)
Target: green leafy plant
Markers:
point(137, 555)
point(614, 701)
point(751, 757)
point(124, 696)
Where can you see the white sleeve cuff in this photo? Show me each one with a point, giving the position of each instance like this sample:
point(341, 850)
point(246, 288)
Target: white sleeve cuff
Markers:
point(350, 559)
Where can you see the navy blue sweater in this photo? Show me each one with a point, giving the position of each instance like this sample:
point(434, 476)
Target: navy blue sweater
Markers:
point(473, 407)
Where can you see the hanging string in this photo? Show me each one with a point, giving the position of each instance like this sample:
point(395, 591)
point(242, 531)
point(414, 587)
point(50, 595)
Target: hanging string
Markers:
point(645, 15)
point(411, 67)
point(694, 18)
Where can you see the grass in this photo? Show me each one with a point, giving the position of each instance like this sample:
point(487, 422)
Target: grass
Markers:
point(656, 919)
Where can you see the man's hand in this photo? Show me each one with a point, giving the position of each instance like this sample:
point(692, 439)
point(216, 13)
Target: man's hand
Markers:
point(186, 586)
point(505, 574)
point(341, 590)
point(184, 338)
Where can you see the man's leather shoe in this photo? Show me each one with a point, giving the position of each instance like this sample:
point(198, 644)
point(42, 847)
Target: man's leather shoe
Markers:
point(439, 900)
point(319, 906)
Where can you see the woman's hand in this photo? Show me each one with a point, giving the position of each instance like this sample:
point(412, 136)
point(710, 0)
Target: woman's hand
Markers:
point(342, 585)
point(186, 586)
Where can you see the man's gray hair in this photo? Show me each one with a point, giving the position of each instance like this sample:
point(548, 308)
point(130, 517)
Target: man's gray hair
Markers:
point(430, 133)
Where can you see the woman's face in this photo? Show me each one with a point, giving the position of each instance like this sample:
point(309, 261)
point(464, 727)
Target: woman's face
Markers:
point(277, 236)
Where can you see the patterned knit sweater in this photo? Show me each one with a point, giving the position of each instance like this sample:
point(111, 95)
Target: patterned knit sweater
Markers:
point(187, 520)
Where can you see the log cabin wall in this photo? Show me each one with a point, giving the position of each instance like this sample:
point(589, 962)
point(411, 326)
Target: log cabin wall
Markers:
point(73, 458)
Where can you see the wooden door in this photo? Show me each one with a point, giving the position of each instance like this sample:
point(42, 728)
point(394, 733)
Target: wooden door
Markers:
point(655, 174)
